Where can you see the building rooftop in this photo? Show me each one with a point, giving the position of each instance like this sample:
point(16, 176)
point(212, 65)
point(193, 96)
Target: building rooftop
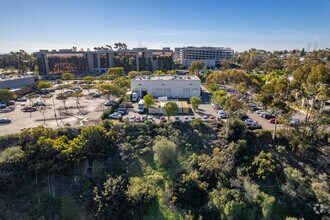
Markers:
point(165, 77)
point(7, 78)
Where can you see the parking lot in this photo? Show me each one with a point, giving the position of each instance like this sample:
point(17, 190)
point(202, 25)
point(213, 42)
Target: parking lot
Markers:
point(206, 109)
point(90, 112)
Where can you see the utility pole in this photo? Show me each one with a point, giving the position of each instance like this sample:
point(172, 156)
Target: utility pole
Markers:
point(54, 110)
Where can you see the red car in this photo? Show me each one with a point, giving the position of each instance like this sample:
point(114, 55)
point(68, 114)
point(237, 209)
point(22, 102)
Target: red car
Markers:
point(138, 119)
point(272, 120)
point(29, 109)
point(162, 119)
point(212, 118)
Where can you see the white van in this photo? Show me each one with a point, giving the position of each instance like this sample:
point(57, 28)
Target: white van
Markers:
point(141, 106)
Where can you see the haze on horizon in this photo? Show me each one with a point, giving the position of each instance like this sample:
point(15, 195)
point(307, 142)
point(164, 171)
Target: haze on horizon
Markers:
point(271, 25)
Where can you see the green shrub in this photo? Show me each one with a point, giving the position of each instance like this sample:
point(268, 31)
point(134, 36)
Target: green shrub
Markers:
point(111, 109)
point(165, 152)
point(8, 140)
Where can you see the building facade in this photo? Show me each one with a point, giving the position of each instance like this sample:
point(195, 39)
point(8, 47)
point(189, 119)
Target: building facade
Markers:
point(57, 62)
point(171, 86)
point(211, 56)
point(15, 82)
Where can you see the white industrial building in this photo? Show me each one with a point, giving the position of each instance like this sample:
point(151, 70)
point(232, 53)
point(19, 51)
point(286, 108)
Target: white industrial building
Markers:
point(171, 86)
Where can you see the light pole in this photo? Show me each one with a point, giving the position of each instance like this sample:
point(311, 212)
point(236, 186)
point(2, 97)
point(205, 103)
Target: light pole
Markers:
point(54, 110)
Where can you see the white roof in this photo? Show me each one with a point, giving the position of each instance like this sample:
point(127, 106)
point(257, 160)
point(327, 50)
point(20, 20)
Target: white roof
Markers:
point(165, 77)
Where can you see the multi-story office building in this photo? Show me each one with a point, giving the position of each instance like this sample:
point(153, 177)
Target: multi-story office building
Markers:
point(211, 56)
point(56, 62)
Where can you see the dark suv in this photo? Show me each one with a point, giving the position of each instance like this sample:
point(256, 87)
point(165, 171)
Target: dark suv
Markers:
point(269, 116)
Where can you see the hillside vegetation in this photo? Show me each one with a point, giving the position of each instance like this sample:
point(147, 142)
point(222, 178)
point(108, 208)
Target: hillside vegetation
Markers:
point(167, 171)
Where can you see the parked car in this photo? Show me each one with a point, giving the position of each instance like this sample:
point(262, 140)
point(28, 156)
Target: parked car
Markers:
point(138, 119)
point(132, 118)
point(212, 118)
point(11, 102)
point(253, 125)
point(262, 114)
point(162, 119)
point(115, 115)
point(192, 117)
point(186, 119)
point(29, 109)
point(109, 103)
point(249, 120)
point(294, 121)
point(121, 110)
point(3, 105)
point(222, 114)
point(5, 120)
point(21, 99)
point(96, 95)
point(140, 110)
point(150, 117)
point(205, 118)
point(268, 116)
point(272, 120)
point(177, 119)
point(255, 108)
point(243, 117)
point(39, 103)
point(77, 90)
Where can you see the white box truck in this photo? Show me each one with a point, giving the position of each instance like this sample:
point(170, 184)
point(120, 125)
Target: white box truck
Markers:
point(135, 97)
point(141, 106)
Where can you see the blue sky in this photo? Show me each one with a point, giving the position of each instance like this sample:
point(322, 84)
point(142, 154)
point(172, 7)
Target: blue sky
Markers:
point(241, 24)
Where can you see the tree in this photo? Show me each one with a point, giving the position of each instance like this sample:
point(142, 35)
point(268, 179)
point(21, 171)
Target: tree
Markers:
point(111, 92)
point(231, 105)
point(171, 72)
point(170, 109)
point(191, 193)
point(148, 100)
point(122, 82)
point(145, 73)
point(77, 96)
point(63, 97)
point(195, 67)
point(44, 85)
point(165, 152)
point(133, 74)
point(88, 79)
point(263, 165)
point(158, 72)
point(96, 143)
point(219, 97)
point(140, 193)
point(111, 200)
point(117, 71)
point(195, 101)
point(10, 158)
point(67, 76)
point(43, 110)
point(6, 95)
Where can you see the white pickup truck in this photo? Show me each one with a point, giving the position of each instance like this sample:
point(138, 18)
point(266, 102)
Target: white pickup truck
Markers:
point(135, 97)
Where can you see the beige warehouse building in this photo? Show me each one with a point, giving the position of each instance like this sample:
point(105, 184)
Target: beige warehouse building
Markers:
point(171, 86)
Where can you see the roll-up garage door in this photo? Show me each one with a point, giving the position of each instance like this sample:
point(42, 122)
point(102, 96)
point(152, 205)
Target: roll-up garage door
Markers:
point(186, 93)
point(158, 92)
point(167, 92)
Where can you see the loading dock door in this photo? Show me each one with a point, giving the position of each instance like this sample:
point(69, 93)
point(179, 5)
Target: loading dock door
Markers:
point(167, 92)
point(158, 92)
point(186, 93)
